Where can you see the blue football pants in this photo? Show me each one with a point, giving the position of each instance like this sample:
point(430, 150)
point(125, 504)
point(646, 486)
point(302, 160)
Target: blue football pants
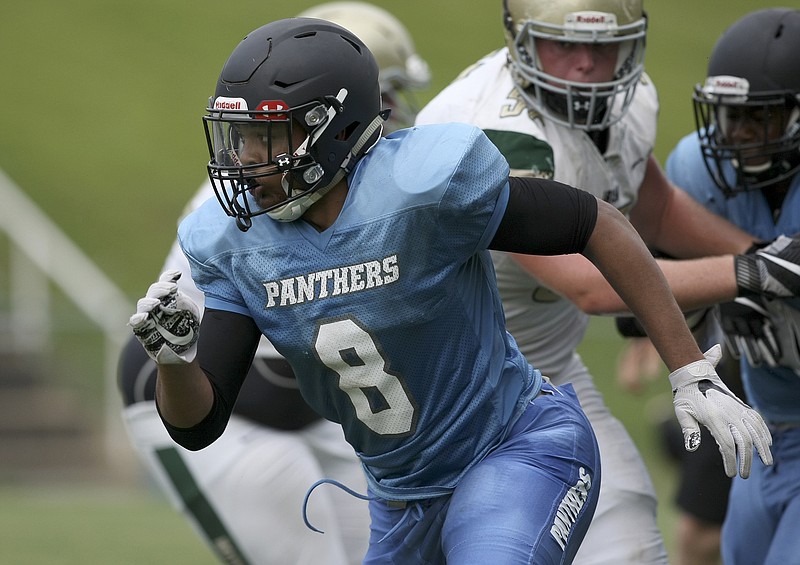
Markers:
point(762, 524)
point(528, 501)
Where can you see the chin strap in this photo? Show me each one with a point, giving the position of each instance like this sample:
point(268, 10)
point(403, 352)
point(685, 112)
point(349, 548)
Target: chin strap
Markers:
point(292, 211)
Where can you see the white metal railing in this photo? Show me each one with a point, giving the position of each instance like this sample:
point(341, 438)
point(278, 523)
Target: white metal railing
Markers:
point(40, 252)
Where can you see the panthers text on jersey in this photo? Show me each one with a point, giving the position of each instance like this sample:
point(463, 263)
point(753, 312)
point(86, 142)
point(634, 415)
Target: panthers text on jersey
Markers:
point(390, 318)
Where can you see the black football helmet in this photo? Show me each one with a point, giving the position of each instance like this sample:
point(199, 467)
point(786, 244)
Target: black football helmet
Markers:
point(753, 82)
point(295, 73)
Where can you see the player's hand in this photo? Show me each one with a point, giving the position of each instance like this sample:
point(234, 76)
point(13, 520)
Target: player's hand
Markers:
point(700, 397)
point(773, 270)
point(166, 322)
point(749, 331)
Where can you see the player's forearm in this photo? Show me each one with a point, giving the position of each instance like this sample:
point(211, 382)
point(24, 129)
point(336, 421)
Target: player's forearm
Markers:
point(184, 395)
point(699, 232)
point(695, 284)
point(619, 253)
point(700, 283)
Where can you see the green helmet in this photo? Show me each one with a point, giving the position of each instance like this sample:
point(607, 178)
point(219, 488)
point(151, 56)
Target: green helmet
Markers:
point(581, 105)
point(401, 69)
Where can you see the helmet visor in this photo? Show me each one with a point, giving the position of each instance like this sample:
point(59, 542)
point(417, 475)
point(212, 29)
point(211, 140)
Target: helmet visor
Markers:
point(250, 151)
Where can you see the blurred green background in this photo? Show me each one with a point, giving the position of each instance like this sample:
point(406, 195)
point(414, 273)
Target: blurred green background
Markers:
point(101, 127)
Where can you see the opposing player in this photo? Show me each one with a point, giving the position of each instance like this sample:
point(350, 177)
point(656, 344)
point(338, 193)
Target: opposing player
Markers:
point(403, 72)
point(371, 275)
point(743, 163)
point(568, 99)
point(243, 493)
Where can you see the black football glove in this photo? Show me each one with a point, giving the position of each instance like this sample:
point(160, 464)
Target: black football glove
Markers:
point(749, 331)
point(772, 271)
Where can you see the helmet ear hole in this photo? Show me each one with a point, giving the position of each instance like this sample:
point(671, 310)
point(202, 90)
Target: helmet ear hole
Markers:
point(345, 133)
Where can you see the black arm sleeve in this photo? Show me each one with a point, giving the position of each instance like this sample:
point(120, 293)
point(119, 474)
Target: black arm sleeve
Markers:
point(545, 217)
point(629, 326)
point(225, 351)
point(136, 373)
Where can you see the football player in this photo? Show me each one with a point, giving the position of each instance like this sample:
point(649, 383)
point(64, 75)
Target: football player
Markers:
point(743, 163)
point(364, 259)
point(243, 494)
point(568, 99)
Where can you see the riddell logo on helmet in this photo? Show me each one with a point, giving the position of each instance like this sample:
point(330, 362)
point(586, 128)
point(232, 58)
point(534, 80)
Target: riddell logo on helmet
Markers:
point(225, 103)
point(589, 19)
point(725, 82)
point(726, 85)
point(271, 106)
point(580, 21)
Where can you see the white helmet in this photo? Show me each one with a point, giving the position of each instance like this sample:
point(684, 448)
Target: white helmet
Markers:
point(401, 68)
point(587, 106)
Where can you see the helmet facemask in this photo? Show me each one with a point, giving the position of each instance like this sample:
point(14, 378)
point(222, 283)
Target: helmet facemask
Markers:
point(588, 106)
point(767, 149)
point(284, 138)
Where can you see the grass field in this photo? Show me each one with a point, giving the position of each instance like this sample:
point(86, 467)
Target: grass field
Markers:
point(84, 524)
point(101, 126)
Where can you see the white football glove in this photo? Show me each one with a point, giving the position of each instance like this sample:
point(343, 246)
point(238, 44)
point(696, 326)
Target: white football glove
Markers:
point(700, 397)
point(166, 322)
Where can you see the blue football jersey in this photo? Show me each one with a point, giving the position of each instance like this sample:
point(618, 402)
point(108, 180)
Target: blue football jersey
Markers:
point(773, 391)
point(391, 317)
